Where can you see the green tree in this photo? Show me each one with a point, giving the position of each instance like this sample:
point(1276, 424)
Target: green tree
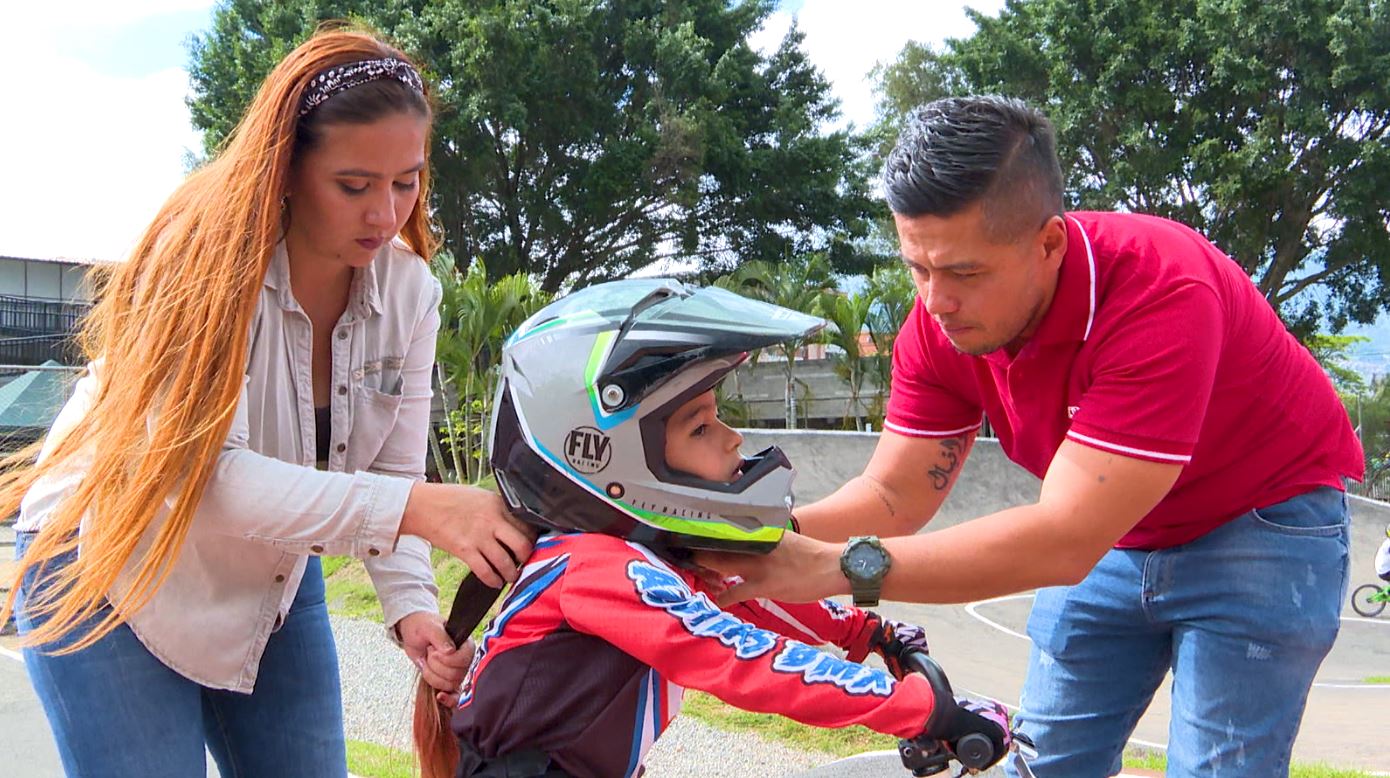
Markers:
point(577, 140)
point(1370, 412)
point(798, 284)
point(476, 316)
point(848, 315)
point(1333, 353)
point(915, 78)
point(890, 287)
point(1366, 402)
point(1261, 123)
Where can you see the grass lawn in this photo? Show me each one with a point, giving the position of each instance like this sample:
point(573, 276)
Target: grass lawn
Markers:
point(349, 591)
point(348, 587)
point(370, 760)
point(837, 742)
point(1144, 759)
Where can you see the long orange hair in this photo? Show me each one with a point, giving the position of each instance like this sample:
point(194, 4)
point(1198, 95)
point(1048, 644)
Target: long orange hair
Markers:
point(171, 334)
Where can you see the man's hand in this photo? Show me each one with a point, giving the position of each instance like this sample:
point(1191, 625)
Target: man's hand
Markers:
point(798, 570)
point(441, 664)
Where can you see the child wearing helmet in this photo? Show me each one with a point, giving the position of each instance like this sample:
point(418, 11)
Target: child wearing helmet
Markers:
point(605, 436)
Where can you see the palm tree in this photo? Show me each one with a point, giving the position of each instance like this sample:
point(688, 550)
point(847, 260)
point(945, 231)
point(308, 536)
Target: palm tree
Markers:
point(891, 289)
point(848, 315)
point(475, 318)
point(797, 285)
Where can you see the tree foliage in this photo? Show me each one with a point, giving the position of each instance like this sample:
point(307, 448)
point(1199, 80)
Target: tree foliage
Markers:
point(1371, 413)
point(577, 140)
point(848, 316)
point(1333, 353)
point(1264, 124)
point(801, 284)
point(476, 317)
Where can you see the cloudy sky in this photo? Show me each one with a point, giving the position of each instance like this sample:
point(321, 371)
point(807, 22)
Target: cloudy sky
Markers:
point(96, 130)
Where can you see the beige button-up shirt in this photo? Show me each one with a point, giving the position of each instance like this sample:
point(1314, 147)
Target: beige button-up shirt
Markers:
point(267, 508)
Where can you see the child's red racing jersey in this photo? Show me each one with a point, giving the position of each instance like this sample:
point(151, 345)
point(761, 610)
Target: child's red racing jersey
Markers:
point(589, 655)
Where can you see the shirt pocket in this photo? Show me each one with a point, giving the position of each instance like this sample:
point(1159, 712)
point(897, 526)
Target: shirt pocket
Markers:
point(373, 418)
point(382, 375)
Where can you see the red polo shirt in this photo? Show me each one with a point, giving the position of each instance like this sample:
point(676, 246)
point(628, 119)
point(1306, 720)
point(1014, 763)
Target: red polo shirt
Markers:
point(1156, 346)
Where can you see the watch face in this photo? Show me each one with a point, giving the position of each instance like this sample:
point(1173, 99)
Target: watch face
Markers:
point(864, 561)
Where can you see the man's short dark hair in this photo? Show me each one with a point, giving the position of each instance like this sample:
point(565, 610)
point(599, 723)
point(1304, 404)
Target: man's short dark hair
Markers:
point(958, 151)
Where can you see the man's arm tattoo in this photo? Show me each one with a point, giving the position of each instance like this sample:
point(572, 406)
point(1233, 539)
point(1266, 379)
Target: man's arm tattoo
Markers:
point(882, 495)
point(941, 472)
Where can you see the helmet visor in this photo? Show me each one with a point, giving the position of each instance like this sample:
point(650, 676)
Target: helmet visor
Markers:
point(728, 319)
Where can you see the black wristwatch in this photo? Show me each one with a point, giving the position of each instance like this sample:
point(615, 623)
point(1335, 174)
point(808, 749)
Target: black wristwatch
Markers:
point(865, 562)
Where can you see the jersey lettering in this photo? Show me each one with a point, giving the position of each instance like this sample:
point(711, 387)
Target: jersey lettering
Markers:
point(819, 667)
point(663, 589)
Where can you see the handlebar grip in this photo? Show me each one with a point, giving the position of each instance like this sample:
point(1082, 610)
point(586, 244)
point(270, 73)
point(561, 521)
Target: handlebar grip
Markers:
point(974, 751)
point(921, 662)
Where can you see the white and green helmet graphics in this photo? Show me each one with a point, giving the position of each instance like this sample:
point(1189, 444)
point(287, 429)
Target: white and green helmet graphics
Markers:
point(579, 424)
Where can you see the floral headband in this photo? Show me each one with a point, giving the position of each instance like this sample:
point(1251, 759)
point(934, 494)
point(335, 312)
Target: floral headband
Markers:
point(342, 77)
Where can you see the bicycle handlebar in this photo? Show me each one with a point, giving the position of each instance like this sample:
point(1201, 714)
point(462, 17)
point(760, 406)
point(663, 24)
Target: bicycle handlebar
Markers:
point(922, 663)
point(924, 755)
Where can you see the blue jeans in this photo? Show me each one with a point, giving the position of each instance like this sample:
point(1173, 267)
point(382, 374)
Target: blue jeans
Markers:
point(1243, 616)
point(117, 711)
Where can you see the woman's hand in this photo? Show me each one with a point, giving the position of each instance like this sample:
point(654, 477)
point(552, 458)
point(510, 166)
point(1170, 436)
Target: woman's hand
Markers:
point(472, 524)
point(441, 664)
point(799, 569)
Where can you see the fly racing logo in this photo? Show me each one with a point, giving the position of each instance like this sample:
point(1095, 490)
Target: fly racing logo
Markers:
point(664, 589)
point(588, 450)
point(1071, 411)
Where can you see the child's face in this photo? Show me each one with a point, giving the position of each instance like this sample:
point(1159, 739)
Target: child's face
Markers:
point(698, 443)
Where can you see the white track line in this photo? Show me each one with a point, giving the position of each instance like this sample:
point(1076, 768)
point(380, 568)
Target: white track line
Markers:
point(15, 655)
point(972, 609)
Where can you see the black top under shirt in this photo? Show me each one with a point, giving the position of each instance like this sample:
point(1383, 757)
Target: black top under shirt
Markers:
point(323, 435)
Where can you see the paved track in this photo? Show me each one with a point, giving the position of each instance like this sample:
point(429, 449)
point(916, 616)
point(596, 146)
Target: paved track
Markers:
point(985, 649)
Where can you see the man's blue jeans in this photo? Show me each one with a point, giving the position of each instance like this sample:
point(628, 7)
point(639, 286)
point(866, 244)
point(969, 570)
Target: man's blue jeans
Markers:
point(1243, 616)
point(117, 711)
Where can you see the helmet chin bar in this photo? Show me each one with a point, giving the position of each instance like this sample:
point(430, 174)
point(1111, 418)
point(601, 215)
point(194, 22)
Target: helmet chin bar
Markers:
point(757, 466)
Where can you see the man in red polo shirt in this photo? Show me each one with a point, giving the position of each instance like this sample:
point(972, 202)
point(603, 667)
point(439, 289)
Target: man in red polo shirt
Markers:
point(1192, 513)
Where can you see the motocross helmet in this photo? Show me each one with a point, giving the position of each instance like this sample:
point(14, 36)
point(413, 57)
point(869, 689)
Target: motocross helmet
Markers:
point(578, 430)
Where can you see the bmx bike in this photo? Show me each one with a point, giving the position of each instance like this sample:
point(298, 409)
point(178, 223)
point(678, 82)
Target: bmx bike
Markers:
point(1370, 600)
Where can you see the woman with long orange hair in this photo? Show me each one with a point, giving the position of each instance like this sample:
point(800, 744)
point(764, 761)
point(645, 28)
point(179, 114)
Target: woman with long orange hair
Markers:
point(258, 395)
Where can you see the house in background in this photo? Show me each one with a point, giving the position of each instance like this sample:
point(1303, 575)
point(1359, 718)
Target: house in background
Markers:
point(42, 302)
